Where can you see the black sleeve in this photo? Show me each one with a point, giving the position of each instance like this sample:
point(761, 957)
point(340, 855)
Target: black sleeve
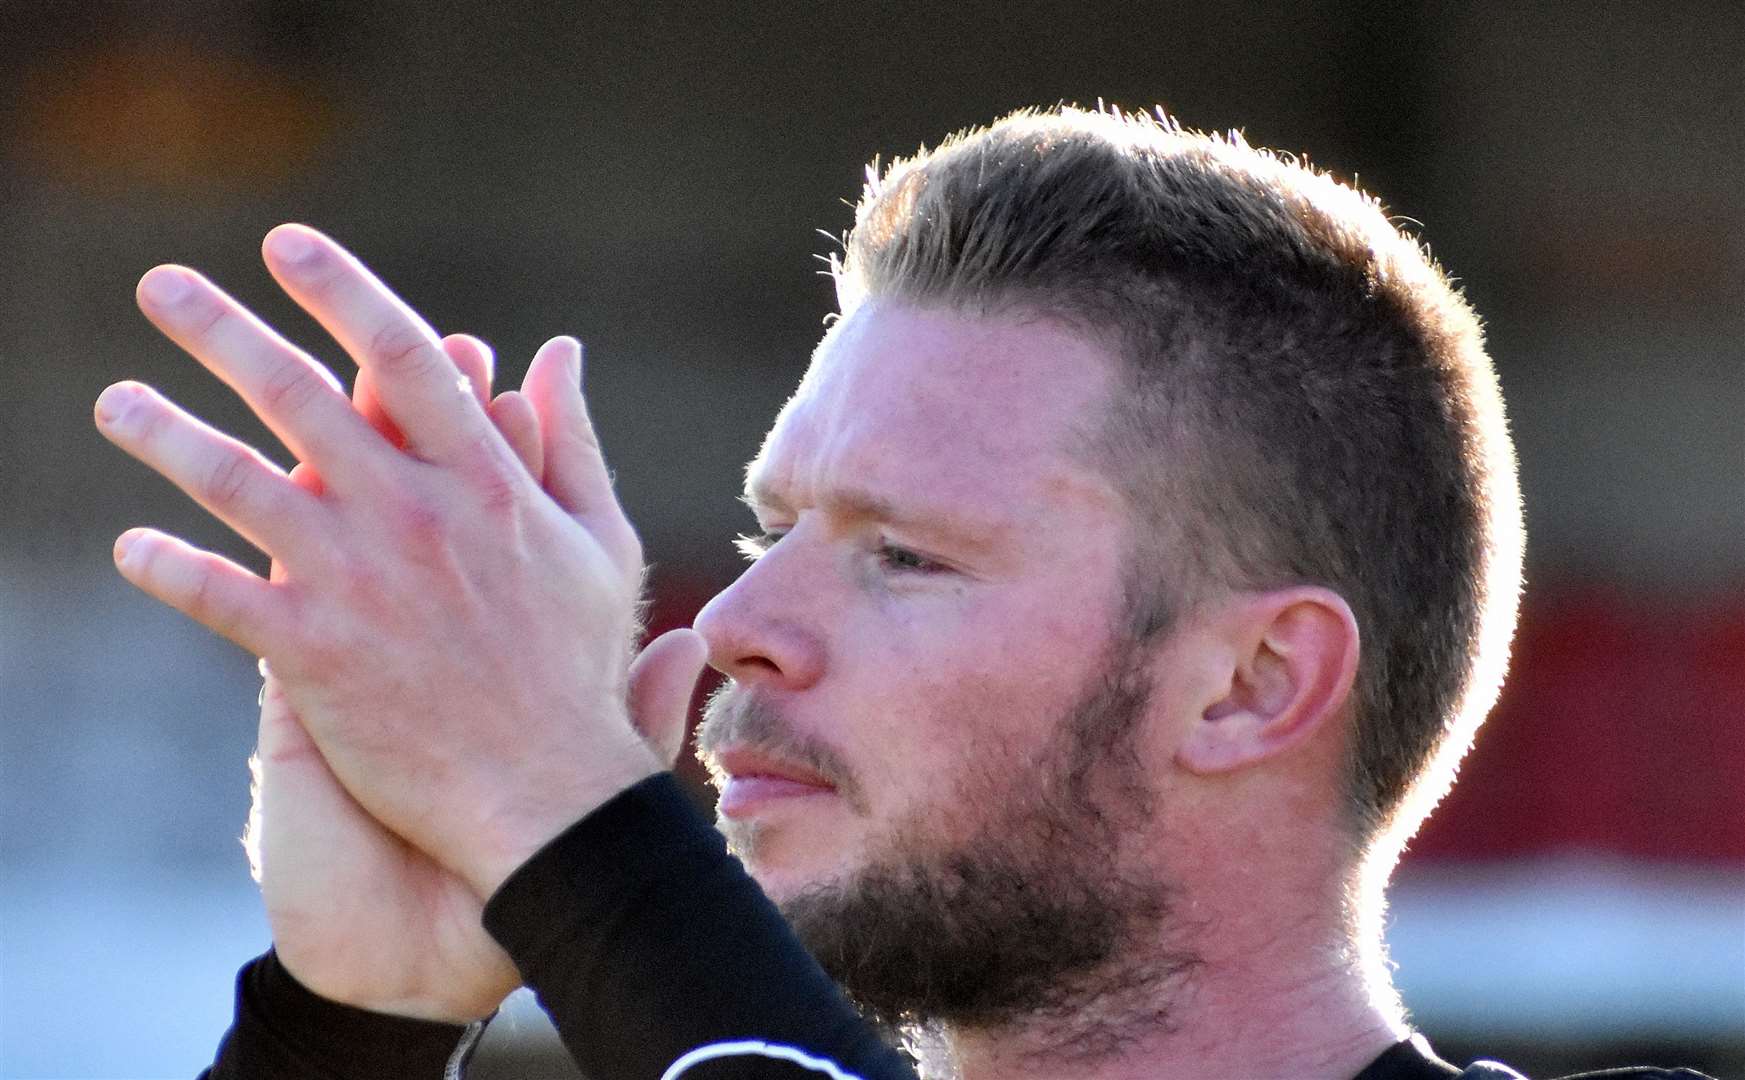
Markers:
point(284, 1031)
point(648, 943)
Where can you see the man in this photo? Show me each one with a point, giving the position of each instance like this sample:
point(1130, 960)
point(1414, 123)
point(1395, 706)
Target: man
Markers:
point(1138, 556)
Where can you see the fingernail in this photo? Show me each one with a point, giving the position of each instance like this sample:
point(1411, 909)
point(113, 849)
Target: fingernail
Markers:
point(291, 245)
point(576, 362)
point(485, 350)
point(124, 545)
point(113, 403)
point(480, 344)
point(164, 286)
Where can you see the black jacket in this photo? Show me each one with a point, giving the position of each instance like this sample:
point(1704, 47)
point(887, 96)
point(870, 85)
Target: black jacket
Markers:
point(657, 957)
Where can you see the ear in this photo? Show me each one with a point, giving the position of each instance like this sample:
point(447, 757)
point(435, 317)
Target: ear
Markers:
point(1292, 660)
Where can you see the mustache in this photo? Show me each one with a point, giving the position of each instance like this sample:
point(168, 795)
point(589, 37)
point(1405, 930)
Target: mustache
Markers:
point(737, 717)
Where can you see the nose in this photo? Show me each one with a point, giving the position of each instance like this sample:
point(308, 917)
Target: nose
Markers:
point(766, 628)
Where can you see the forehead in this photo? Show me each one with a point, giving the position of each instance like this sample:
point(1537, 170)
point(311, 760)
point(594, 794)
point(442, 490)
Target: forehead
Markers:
point(932, 401)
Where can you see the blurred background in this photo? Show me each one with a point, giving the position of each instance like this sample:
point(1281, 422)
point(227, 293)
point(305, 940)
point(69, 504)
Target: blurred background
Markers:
point(652, 177)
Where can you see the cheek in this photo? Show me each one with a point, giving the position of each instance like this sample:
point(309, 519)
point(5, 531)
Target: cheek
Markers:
point(1037, 642)
point(975, 694)
point(968, 752)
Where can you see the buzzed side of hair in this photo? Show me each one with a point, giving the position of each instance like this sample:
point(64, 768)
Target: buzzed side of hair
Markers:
point(1303, 396)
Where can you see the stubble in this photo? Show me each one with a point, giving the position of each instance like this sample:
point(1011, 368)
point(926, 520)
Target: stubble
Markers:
point(1044, 919)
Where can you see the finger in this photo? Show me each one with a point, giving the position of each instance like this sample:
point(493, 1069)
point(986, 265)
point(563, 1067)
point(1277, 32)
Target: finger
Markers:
point(420, 388)
point(476, 362)
point(575, 471)
point(369, 406)
point(208, 588)
point(230, 479)
point(297, 398)
point(473, 357)
point(519, 425)
point(304, 476)
point(281, 744)
point(662, 680)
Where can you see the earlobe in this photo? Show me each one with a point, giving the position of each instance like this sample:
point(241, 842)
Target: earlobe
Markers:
point(1293, 661)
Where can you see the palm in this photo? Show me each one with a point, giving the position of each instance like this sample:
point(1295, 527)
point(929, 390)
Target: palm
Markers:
point(357, 914)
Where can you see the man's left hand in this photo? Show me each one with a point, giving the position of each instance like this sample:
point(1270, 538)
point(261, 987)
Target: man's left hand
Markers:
point(454, 640)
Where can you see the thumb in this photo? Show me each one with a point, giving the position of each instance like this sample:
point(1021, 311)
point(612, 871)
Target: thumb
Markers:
point(282, 748)
point(661, 681)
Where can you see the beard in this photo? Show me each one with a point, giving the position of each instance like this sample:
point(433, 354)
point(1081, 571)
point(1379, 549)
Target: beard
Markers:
point(1038, 916)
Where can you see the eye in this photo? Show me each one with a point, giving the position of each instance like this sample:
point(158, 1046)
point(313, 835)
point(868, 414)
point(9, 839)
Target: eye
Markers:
point(904, 561)
point(754, 545)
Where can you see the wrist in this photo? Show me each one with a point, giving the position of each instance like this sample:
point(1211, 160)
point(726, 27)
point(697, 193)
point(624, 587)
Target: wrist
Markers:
point(536, 818)
point(325, 991)
point(277, 1014)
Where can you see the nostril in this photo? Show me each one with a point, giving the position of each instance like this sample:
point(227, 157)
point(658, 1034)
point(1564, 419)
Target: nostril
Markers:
point(761, 665)
point(791, 665)
point(761, 634)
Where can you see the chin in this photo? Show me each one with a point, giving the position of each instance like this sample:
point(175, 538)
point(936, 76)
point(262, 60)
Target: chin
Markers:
point(791, 850)
point(784, 871)
point(780, 886)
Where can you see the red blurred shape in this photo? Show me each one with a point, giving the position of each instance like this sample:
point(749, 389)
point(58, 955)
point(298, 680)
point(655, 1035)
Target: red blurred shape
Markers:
point(1621, 730)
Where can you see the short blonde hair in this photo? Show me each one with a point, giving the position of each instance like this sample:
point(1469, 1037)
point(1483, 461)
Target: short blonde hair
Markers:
point(1304, 397)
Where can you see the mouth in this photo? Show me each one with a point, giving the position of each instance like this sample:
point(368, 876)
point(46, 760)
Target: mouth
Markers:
point(752, 781)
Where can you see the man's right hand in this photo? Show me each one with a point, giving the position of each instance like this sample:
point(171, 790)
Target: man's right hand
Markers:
point(358, 915)
point(361, 917)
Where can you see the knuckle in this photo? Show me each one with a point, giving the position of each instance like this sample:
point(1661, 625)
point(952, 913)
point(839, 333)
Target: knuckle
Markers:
point(150, 419)
point(210, 320)
point(418, 516)
point(203, 598)
point(289, 388)
point(496, 475)
point(399, 348)
point(322, 277)
point(499, 492)
point(227, 482)
point(143, 566)
point(421, 526)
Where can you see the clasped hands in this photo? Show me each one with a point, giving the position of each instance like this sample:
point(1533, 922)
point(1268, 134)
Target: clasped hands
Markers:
point(448, 622)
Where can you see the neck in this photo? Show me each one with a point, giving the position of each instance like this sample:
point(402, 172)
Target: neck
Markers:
point(1294, 1001)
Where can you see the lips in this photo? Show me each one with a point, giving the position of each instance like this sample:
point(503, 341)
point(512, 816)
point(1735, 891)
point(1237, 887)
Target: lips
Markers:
point(754, 781)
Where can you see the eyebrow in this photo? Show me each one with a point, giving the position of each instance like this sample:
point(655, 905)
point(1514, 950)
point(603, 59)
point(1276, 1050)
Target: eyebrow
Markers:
point(860, 503)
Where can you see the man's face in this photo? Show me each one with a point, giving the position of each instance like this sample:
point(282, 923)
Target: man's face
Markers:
point(926, 661)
